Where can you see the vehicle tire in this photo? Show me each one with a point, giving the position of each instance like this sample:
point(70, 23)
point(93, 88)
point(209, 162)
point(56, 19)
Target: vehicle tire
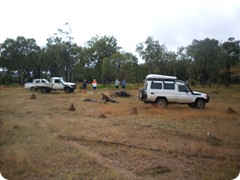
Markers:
point(67, 90)
point(200, 103)
point(162, 102)
point(49, 90)
point(33, 89)
point(44, 90)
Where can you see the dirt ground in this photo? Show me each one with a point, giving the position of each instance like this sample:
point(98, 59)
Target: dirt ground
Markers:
point(67, 136)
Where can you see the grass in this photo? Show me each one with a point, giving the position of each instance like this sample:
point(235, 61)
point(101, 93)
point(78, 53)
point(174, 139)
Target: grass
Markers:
point(41, 139)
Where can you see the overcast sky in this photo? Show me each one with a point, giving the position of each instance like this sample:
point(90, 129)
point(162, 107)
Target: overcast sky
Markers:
point(173, 23)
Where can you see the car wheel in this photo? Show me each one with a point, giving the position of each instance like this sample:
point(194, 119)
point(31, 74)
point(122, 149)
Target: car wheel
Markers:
point(44, 90)
point(200, 103)
point(33, 89)
point(67, 90)
point(161, 102)
point(140, 93)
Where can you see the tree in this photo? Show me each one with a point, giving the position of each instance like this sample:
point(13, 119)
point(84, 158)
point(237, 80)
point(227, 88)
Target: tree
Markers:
point(183, 64)
point(231, 49)
point(19, 55)
point(153, 54)
point(107, 70)
point(129, 67)
point(206, 54)
point(120, 65)
point(96, 50)
point(62, 53)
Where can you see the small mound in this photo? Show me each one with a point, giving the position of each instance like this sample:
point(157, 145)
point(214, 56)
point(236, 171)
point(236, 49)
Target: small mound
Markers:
point(214, 141)
point(89, 100)
point(134, 111)
point(33, 96)
point(230, 110)
point(102, 116)
point(72, 108)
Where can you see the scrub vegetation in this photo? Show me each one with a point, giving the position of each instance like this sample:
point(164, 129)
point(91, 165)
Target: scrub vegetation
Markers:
point(46, 138)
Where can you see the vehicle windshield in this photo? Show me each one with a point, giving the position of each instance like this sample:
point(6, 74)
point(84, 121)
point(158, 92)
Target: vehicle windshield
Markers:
point(189, 88)
point(62, 80)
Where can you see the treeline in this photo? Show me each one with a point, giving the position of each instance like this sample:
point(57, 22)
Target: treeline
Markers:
point(204, 61)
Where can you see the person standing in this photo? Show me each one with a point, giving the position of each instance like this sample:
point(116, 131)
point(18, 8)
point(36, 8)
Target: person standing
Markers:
point(84, 86)
point(123, 84)
point(117, 83)
point(94, 85)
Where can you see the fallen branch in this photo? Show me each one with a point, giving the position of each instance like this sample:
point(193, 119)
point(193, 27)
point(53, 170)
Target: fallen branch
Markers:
point(122, 94)
point(107, 99)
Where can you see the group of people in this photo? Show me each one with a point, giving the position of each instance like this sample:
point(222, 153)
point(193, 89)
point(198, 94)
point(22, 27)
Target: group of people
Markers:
point(94, 85)
point(117, 82)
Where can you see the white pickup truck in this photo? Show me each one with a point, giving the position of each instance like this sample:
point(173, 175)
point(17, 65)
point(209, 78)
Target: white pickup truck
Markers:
point(34, 85)
point(57, 83)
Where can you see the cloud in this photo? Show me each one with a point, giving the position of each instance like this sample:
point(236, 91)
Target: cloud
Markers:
point(173, 23)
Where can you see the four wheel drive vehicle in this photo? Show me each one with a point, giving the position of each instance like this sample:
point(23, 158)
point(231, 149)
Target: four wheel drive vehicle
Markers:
point(57, 83)
point(34, 85)
point(163, 90)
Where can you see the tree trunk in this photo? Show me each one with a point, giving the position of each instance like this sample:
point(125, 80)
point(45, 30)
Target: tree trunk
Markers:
point(228, 72)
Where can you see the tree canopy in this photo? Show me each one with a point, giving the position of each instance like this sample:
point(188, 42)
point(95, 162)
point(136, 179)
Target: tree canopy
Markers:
point(205, 61)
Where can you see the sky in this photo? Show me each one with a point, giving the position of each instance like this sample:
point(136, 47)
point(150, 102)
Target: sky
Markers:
point(174, 23)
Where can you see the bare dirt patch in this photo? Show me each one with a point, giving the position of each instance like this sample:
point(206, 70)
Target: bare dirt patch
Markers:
point(47, 139)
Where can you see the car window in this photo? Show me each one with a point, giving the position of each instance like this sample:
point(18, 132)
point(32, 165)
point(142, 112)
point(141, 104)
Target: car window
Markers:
point(37, 81)
point(182, 88)
point(156, 85)
point(169, 86)
point(57, 81)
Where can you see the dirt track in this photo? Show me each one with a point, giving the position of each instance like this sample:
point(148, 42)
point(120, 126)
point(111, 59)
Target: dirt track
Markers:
point(42, 139)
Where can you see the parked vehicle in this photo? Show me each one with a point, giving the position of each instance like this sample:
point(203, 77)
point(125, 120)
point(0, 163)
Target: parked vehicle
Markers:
point(34, 85)
point(163, 90)
point(57, 83)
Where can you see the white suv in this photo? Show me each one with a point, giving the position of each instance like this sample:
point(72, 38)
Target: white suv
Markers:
point(163, 90)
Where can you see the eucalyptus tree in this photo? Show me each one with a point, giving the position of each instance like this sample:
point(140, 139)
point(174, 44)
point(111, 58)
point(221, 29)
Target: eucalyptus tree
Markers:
point(120, 65)
point(153, 54)
point(96, 50)
point(183, 64)
point(231, 49)
point(206, 56)
point(129, 68)
point(107, 70)
point(20, 55)
point(62, 53)
point(171, 65)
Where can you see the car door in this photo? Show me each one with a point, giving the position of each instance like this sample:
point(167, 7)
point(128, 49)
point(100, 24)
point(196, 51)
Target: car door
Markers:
point(154, 90)
point(57, 84)
point(184, 94)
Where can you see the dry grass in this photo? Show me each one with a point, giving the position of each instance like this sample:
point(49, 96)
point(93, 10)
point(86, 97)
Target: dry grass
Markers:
point(40, 138)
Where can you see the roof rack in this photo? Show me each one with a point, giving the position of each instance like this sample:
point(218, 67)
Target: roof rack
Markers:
point(160, 77)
